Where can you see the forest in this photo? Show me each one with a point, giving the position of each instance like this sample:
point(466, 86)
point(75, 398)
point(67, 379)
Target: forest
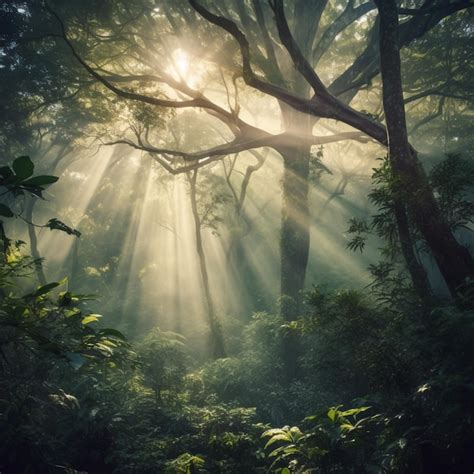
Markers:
point(236, 236)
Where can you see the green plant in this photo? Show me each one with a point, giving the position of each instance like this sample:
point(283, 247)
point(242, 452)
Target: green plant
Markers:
point(334, 442)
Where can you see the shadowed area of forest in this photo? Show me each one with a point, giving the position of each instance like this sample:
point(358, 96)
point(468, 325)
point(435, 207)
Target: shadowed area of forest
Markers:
point(236, 236)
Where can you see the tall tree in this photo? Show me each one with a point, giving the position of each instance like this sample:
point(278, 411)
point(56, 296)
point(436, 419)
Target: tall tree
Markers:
point(294, 144)
point(454, 260)
point(145, 68)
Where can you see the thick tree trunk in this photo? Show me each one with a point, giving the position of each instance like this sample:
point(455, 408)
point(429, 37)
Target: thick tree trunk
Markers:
point(295, 230)
point(217, 338)
point(454, 261)
point(30, 204)
point(415, 268)
point(295, 220)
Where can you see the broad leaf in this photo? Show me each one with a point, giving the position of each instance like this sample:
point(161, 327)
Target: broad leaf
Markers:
point(41, 180)
point(23, 167)
point(42, 290)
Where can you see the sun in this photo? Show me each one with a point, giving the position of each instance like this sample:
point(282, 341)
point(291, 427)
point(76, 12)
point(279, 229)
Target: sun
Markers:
point(181, 62)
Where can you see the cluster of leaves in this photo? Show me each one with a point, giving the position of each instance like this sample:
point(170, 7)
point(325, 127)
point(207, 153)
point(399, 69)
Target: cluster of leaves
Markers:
point(18, 180)
point(382, 224)
point(354, 351)
point(452, 179)
point(335, 441)
point(316, 165)
point(46, 338)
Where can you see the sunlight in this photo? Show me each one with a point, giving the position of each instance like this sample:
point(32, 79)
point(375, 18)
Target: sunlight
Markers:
point(198, 257)
point(182, 62)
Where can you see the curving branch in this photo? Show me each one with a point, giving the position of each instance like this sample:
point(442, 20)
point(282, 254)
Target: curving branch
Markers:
point(197, 102)
point(166, 156)
point(367, 65)
point(347, 17)
point(323, 105)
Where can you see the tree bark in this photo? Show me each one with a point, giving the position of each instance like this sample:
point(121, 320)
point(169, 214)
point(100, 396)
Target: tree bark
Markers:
point(217, 339)
point(295, 230)
point(454, 261)
point(295, 219)
point(415, 268)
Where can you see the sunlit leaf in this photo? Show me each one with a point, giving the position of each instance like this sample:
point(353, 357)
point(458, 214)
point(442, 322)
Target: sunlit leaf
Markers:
point(91, 318)
point(278, 437)
point(353, 411)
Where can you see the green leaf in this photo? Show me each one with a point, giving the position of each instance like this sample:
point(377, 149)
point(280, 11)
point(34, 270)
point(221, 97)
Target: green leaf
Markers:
point(353, 411)
point(279, 437)
point(69, 313)
point(112, 333)
point(5, 211)
point(42, 290)
point(332, 414)
point(23, 167)
point(91, 318)
point(104, 349)
point(41, 180)
point(296, 432)
point(347, 427)
point(290, 449)
point(273, 432)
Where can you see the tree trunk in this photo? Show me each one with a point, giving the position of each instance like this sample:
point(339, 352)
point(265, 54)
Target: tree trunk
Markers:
point(217, 339)
point(415, 268)
point(30, 204)
point(295, 219)
point(295, 230)
point(454, 261)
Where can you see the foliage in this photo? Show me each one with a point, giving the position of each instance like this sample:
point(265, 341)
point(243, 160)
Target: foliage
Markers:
point(44, 336)
point(452, 179)
point(75, 396)
point(336, 442)
point(18, 181)
point(162, 362)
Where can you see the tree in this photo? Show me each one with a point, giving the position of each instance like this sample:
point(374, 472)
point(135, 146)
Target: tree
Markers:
point(291, 143)
point(155, 69)
point(454, 261)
